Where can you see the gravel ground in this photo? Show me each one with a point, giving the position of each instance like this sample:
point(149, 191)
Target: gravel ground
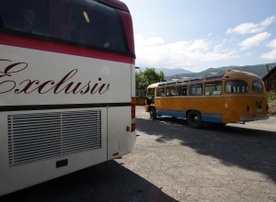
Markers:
point(174, 162)
point(232, 163)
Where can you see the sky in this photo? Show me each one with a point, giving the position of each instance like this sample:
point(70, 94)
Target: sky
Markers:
point(199, 34)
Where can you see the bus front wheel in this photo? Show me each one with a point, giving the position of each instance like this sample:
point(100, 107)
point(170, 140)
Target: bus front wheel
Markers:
point(152, 112)
point(194, 119)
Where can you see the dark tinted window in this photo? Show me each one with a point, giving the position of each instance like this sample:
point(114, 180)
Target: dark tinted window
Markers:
point(81, 22)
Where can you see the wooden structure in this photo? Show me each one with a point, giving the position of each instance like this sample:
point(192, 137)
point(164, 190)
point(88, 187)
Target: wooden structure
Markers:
point(270, 80)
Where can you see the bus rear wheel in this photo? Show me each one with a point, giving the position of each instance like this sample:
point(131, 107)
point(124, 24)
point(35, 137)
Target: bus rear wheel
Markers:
point(194, 119)
point(152, 112)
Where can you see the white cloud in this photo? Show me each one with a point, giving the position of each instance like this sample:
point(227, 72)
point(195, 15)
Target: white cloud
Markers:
point(151, 41)
point(179, 54)
point(271, 55)
point(249, 28)
point(254, 40)
point(220, 54)
point(272, 44)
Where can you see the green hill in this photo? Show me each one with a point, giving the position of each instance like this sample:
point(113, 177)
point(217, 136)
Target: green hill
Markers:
point(261, 70)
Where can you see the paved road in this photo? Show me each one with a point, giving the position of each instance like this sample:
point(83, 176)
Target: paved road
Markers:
point(173, 162)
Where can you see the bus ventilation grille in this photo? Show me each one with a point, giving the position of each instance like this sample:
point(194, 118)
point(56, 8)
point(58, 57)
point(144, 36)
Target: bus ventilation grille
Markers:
point(40, 136)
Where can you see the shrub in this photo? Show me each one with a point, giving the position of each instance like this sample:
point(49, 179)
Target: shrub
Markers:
point(271, 99)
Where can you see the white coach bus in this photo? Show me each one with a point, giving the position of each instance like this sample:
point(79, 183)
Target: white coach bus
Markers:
point(67, 87)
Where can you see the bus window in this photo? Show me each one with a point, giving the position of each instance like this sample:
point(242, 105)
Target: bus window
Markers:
point(25, 16)
point(196, 90)
point(185, 90)
point(87, 24)
point(97, 25)
point(160, 92)
point(257, 87)
point(150, 96)
point(182, 90)
point(236, 86)
point(179, 90)
point(213, 88)
point(150, 93)
point(170, 91)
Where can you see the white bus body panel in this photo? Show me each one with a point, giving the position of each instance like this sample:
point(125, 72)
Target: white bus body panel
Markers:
point(21, 176)
point(80, 70)
point(116, 139)
point(121, 141)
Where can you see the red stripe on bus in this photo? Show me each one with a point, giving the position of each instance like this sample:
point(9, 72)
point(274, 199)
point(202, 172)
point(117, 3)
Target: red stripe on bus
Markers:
point(62, 48)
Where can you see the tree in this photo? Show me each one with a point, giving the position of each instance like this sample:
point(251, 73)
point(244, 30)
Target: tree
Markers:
point(140, 83)
point(147, 77)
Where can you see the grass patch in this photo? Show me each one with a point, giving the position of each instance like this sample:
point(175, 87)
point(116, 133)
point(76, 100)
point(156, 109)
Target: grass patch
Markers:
point(271, 96)
point(271, 100)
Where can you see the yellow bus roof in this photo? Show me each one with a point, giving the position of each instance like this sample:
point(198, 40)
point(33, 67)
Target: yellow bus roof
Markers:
point(229, 74)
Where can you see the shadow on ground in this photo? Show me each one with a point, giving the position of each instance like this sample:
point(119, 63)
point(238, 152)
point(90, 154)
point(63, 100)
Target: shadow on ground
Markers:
point(108, 181)
point(250, 149)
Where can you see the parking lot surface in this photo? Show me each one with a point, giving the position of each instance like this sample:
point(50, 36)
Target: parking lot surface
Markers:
point(174, 162)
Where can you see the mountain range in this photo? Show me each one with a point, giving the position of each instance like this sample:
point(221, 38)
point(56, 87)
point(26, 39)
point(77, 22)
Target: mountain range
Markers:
point(169, 72)
point(260, 70)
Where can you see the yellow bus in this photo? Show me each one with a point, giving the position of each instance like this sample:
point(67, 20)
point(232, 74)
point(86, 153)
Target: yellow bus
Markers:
point(230, 97)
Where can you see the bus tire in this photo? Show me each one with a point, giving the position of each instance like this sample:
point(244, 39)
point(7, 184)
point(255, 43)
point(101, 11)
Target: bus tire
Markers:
point(194, 119)
point(152, 112)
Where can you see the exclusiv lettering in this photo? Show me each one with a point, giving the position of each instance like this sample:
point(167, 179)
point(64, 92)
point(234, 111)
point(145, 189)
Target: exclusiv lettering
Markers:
point(64, 85)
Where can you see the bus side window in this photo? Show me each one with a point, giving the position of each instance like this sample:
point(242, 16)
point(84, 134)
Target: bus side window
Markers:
point(160, 92)
point(196, 90)
point(213, 88)
point(170, 91)
point(185, 91)
point(179, 90)
point(236, 86)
